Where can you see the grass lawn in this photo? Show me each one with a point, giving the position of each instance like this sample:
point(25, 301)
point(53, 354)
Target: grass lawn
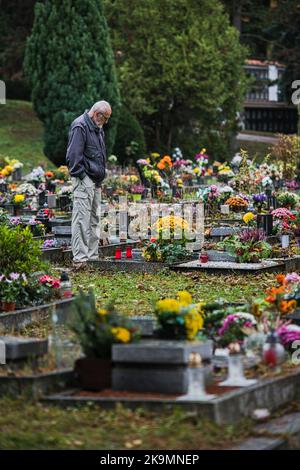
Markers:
point(21, 134)
point(136, 293)
point(29, 425)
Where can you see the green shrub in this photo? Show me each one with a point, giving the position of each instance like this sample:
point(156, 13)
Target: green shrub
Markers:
point(18, 251)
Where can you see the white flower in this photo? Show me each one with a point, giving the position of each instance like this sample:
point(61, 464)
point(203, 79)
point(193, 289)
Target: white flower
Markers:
point(246, 316)
point(26, 188)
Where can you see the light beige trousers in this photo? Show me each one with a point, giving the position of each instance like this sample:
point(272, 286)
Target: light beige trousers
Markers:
point(85, 220)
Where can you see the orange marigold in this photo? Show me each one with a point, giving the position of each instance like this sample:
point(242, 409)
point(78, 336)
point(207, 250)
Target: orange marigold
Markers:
point(287, 306)
point(161, 165)
point(281, 279)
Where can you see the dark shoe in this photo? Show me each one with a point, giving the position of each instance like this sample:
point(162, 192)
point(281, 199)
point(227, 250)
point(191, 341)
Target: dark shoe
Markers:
point(76, 267)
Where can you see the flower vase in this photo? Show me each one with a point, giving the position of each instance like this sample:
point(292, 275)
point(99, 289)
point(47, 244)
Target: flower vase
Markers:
point(136, 197)
point(196, 386)
point(93, 373)
point(236, 376)
point(285, 241)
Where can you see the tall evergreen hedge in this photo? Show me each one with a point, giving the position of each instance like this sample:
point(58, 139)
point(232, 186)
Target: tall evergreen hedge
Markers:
point(70, 65)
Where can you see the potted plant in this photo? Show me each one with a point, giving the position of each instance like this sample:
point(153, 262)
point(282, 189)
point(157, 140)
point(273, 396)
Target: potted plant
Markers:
point(237, 203)
point(10, 290)
point(259, 201)
point(137, 190)
point(249, 245)
point(287, 200)
point(97, 329)
point(180, 318)
point(283, 219)
point(169, 245)
point(18, 201)
point(36, 227)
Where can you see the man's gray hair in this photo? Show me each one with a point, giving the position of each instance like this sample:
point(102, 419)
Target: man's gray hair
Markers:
point(101, 106)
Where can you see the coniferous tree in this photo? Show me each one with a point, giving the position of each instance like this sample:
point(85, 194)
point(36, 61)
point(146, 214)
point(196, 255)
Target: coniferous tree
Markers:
point(70, 65)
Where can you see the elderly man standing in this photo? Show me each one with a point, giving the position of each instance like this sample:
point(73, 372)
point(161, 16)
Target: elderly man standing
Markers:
point(86, 160)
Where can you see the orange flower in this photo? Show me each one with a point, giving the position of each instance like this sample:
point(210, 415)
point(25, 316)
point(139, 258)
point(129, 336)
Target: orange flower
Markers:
point(273, 292)
point(287, 306)
point(49, 174)
point(167, 158)
point(281, 279)
point(161, 165)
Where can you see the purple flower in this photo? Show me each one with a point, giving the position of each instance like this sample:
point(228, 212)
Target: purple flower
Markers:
point(251, 235)
point(243, 196)
point(259, 198)
point(14, 276)
point(143, 162)
point(2, 277)
point(288, 334)
point(33, 222)
point(137, 189)
point(292, 277)
point(227, 322)
point(49, 243)
point(15, 221)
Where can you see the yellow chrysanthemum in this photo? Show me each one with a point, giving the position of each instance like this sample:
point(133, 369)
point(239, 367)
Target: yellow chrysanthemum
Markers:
point(102, 311)
point(19, 198)
point(171, 222)
point(248, 217)
point(168, 305)
point(134, 179)
point(184, 297)
point(121, 334)
point(193, 323)
point(196, 170)
point(8, 168)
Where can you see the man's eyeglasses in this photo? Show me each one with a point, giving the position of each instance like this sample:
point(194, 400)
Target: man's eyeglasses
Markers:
point(105, 117)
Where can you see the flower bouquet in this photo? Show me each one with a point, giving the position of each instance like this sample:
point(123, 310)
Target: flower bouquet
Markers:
point(287, 200)
point(237, 203)
point(137, 190)
point(36, 227)
point(236, 328)
point(179, 318)
point(249, 245)
point(97, 329)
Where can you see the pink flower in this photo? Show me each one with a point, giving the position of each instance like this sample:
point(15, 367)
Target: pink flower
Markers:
point(14, 276)
point(292, 277)
point(283, 213)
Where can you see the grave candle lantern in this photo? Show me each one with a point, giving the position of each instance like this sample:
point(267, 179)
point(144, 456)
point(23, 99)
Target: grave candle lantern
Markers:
point(129, 252)
point(203, 258)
